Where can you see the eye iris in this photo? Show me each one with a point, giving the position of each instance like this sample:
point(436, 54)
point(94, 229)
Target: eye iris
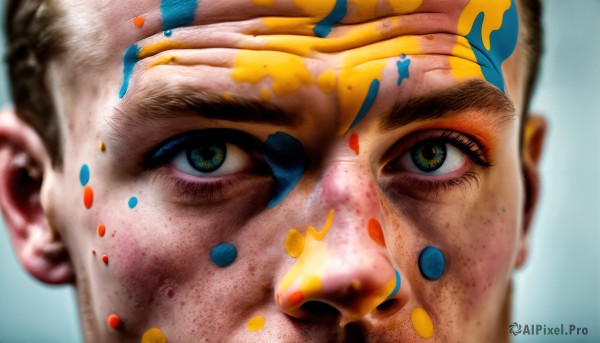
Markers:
point(207, 158)
point(429, 156)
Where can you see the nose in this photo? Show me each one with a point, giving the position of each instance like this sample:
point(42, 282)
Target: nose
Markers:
point(342, 267)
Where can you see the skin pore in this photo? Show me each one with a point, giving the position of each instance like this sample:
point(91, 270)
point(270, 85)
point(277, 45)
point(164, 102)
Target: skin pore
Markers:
point(290, 170)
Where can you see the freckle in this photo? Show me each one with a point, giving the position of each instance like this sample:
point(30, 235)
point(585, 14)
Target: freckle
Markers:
point(132, 203)
point(422, 322)
point(154, 335)
point(94, 252)
point(101, 230)
point(375, 232)
point(88, 197)
point(139, 21)
point(256, 324)
point(432, 263)
point(354, 143)
point(101, 146)
point(294, 243)
point(223, 255)
point(113, 321)
point(429, 37)
point(105, 259)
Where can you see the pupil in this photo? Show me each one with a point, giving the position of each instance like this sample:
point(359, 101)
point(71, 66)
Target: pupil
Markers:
point(206, 153)
point(429, 156)
point(429, 152)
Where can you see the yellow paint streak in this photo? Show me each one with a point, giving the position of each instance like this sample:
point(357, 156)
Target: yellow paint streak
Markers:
point(288, 26)
point(365, 8)
point(294, 243)
point(315, 8)
point(162, 60)
point(327, 81)
point(264, 3)
point(265, 95)
point(463, 61)
point(493, 14)
point(158, 47)
point(404, 6)
point(287, 72)
point(422, 322)
point(369, 302)
point(256, 324)
point(154, 335)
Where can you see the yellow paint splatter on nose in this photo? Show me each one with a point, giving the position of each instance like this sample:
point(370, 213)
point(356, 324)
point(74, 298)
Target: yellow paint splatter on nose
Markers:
point(256, 324)
point(422, 322)
point(154, 335)
point(294, 243)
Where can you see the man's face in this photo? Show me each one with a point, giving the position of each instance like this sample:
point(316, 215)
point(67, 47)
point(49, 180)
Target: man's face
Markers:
point(291, 170)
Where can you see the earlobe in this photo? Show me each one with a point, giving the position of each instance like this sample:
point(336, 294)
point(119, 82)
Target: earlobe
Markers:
point(22, 161)
point(533, 144)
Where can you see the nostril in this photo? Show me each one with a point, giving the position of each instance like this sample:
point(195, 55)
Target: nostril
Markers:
point(387, 305)
point(318, 308)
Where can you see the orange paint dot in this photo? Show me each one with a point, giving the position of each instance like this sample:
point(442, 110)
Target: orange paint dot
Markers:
point(354, 143)
point(88, 196)
point(295, 299)
point(113, 321)
point(375, 232)
point(101, 230)
point(138, 21)
point(105, 259)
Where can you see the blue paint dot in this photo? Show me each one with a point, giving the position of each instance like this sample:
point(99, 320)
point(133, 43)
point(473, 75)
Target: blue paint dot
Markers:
point(324, 27)
point(168, 33)
point(403, 65)
point(368, 103)
point(397, 287)
point(132, 202)
point(129, 61)
point(177, 13)
point(223, 254)
point(432, 263)
point(287, 159)
point(84, 175)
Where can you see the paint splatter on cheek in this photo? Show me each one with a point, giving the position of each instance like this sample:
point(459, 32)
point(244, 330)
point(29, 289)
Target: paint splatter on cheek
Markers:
point(256, 324)
point(432, 263)
point(132, 202)
point(422, 322)
point(223, 255)
point(154, 335)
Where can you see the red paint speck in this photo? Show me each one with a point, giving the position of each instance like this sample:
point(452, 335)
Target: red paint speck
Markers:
point(88, 196)
point(101, 230)
point(113, 321)
point(105, 259)
point(138, 21)
point(354, 145)
point(375, 232)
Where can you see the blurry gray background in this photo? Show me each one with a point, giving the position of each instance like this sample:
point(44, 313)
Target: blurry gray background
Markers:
point(560, 283)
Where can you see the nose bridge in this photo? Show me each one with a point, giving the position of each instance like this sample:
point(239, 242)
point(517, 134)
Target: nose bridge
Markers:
point(343, 263)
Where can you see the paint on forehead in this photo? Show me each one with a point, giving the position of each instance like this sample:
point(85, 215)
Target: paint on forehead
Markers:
point(88, 197)
point(177, 13)
point(129, 61)
point(397, 286)
point(84, 175)
point(491, 30)
point(132, 202)
point(263, 3)
point(223, 255)
point(432, 263)
point(138, 21)
point(402, 66)
point(256, 324)
point(368, 102)
point(422, 322)
point(337, 14)
point(287, 159)
point(154, 335)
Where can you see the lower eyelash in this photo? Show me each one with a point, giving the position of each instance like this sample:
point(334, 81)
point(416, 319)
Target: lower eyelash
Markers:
point(429, 186)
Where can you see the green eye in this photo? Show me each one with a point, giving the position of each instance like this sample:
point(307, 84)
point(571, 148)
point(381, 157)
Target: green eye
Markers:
point(429, 155)
point(207, 158)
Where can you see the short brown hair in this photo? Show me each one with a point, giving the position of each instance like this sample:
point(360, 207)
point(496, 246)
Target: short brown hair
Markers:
point(36, 38)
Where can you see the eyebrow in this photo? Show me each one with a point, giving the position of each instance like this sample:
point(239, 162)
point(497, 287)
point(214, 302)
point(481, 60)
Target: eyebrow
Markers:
point(474, 95)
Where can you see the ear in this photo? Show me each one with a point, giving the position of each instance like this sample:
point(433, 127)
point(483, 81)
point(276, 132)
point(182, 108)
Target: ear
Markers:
point(533, 144)
point(23, 160)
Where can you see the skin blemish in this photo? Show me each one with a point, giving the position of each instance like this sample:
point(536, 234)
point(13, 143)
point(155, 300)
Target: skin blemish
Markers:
point(422, 322)
point(432, 263)
point(337, 14)
point(88, 197)
point(177, 13)
point(256, 324)
point(402, 66)
point(101, 230)
point(113, 321)
point(294, 243)
point(368, 103)
point(84, 175)
point(354, 143)
point(132, 202)
point(397, 286)
point(101, 146)
point(223, 255)
point(105, 259)
point(154, 335)
point(138, 21)
point(287, 159)
point(375, 232)
point(94, 252)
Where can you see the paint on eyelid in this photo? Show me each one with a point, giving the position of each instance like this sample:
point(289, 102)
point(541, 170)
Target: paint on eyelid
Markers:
point(287, 159)
point(223, 255)
point(324, 27)
point(84, 175)
point(177, 13)
point(132, 202)
point(154, 335)
point(129, 61)
point(402, 66)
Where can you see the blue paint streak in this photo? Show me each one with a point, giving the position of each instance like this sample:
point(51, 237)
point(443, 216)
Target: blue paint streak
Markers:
point(403, 65)
point(223, 254)
point(397, 288)
point(338, 13)
point(129, 61)
point(132, 203)
point(368, 103)
point(177, 13)
point(502, 44)
point(287, 159)
point(432, 263)
point(84, 175)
